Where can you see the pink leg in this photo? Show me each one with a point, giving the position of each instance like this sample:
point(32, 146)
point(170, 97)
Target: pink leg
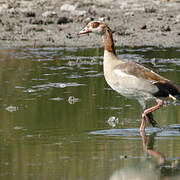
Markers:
point(147, 111)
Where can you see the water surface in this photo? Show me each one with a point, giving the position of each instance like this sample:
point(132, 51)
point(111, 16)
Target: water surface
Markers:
point(54, 109)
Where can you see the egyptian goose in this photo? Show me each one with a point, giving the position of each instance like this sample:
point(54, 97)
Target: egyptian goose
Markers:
point(132, 79)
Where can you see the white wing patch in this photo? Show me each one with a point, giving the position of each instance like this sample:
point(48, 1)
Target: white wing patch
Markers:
point(154, 82)
point(122, 74)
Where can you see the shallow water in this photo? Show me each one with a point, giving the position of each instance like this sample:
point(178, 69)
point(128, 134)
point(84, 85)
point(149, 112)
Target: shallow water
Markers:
point(60, 120)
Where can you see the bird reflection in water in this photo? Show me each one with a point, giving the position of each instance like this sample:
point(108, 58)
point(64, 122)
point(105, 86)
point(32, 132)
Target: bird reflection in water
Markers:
point(161, 169)
point(148, 147)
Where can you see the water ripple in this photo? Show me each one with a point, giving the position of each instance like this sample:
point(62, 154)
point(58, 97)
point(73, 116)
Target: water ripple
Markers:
point(170, 131)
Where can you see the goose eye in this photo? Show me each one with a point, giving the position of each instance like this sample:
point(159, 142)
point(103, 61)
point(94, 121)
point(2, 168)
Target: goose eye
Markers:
point(84, 30)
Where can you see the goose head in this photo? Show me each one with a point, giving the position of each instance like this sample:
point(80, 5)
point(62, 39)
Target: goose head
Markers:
point(94, 27)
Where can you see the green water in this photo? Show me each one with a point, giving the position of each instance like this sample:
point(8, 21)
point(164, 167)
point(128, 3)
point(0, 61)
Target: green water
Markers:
point(54, 110)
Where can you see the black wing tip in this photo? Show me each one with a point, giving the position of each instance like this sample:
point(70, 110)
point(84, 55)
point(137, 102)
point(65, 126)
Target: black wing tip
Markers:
point(167, 90)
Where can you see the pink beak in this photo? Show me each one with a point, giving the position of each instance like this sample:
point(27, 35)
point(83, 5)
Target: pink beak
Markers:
point(84, 30)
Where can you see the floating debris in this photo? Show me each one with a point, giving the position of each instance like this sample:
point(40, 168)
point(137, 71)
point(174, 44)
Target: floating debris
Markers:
point(29, 135)
point(19, 87)
point(18, 128)
point(113, 121)
point(58, 143)
point(123, 157)
point(153, 61)
point(12, 108)
point(73, 99)
point(30, 90)
point(57, 99)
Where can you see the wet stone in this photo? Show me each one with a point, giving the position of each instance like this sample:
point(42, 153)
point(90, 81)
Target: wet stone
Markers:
point(177, 19)
point(36, 21)
point(122, 31)
point(49, 14)
point(150, 10)
point(9, 27)
point(165, 28)
point(29, 14)
point(144, 26)
point(36, 29)
point(68, 7)
point(69, 36)
point(63, 20)
point(13, 11)
point(48, 21)
point(50, 39)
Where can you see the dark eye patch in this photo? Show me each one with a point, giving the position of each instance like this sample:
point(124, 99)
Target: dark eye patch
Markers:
point(95, 24)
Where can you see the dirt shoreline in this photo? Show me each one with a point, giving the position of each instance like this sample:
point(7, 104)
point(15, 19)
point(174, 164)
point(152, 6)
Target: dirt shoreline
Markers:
point(55, 23)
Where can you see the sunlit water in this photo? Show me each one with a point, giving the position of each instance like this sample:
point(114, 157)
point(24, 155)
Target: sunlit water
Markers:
point(60, 120)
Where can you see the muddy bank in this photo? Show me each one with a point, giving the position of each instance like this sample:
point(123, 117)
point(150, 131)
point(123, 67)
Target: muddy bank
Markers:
point(56, 23)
